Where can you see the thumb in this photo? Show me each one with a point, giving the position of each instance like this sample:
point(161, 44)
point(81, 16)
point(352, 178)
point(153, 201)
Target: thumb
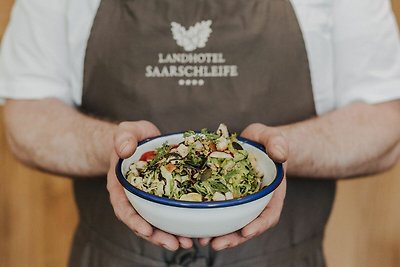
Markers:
point(129, 133)
point(273, 140)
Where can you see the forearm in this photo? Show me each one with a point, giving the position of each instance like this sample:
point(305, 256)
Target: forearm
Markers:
point(50, 135)
point(359, 139)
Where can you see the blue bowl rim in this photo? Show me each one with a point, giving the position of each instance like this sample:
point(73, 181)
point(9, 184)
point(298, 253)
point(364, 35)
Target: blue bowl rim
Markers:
point(207, 204)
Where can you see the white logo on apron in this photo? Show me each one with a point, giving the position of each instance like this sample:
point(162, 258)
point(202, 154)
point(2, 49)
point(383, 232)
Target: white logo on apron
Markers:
point(195, 37)
point(191, 68)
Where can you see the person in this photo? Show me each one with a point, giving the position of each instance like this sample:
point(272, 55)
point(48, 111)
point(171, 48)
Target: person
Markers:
point(316, 82)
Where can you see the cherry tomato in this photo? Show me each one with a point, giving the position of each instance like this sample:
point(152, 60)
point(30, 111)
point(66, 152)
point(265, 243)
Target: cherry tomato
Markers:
point(149, 155)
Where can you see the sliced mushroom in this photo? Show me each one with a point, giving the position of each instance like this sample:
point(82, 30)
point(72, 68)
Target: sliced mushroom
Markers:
point(173, 156)
point(221, 155)
point(222, 144)
point(218, 196)
point(254, 164)
point(138, 182)
point(183, 150)
point(160, 188)
point(191, 197)
point(228, 195)
point(198, 146)
point(189, 140)
point(223, 130)
point(133, 170)
point(140, 165)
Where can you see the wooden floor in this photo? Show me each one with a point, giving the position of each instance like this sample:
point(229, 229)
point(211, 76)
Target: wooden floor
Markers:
point(37, 214)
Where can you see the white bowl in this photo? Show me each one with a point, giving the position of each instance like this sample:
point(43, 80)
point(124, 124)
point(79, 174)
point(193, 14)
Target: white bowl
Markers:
point(200, 219)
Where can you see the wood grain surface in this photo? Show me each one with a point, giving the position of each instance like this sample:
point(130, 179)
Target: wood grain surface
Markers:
point(37, 214)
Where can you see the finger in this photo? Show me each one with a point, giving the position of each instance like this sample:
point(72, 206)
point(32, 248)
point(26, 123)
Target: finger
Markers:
point(122, 207)
point(185, 242)
point(164, 239)
point(125, 143)
point(204, 241)
point(271, 138)
point(227, 241)
point(269, 217)
point(128, 134)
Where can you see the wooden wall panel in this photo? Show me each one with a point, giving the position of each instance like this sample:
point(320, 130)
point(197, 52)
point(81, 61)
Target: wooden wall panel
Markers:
point(5, 7)
point(37, 214)
point(396, 8)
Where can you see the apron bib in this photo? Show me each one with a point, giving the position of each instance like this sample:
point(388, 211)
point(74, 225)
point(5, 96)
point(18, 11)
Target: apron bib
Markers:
point(188, 65)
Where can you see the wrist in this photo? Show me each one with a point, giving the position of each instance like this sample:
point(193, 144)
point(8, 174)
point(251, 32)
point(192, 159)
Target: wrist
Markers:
point(104, 145)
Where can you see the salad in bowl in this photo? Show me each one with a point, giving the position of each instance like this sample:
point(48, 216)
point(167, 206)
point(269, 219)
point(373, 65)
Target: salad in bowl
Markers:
point(199, 184)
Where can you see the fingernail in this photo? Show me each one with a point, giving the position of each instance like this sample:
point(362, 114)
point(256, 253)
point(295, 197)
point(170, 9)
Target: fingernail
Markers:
point(141, 236)
point(249, 235)
point(144, 236)
point(124, 147)
point(168, 247)
point(223, 247)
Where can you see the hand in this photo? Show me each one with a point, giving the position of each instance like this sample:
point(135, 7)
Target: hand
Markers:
point(277, 148)
point(126, 137)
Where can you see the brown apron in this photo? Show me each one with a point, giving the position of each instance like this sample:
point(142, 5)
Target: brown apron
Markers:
point(187, 65)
